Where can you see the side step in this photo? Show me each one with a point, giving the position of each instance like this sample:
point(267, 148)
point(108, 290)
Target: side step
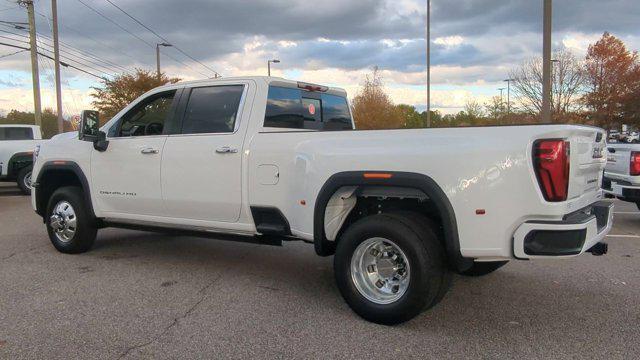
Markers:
point(271, 240)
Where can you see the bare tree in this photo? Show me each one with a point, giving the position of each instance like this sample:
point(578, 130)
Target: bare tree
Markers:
point(568, 82)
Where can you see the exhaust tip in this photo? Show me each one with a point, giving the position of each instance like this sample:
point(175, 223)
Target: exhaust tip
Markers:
point(599, 249)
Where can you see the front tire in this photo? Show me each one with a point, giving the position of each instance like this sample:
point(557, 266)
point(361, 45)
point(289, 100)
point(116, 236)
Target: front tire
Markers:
point(24, 180)
point(71, 228)
point(483, 268)
point(388, 268)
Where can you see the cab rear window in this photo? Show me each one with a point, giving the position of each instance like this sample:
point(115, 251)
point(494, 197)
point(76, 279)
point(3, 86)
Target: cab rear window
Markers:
point(16, 133)
point(297, 109)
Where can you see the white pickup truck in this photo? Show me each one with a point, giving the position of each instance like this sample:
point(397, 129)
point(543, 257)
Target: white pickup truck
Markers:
point(622, 173)
point(268, 160)
point(17, 143)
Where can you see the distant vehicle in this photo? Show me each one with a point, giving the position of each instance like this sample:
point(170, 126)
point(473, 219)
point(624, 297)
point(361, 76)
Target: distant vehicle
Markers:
point(614, 136)
point(633, 137)
point(17, 143)
point(622, 173)
point(267, 160)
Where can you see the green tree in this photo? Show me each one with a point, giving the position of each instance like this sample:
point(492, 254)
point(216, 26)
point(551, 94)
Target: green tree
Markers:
point(117, 93)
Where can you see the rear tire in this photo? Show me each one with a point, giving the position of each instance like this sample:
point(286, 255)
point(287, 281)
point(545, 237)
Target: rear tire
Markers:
point(71, 228)
point(408, 268)
point(24, 179)
point(483, 268)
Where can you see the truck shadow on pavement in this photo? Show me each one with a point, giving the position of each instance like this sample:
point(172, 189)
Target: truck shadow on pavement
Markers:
point(11, 191)
point(510, 302)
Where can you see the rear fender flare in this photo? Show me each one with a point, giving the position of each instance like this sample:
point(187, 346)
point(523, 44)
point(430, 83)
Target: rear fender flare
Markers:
point(421, 182)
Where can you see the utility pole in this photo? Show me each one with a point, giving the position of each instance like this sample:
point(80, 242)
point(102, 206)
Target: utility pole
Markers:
point(56, 57)
point(428, 63)
point(546, 63)
point(35, 74)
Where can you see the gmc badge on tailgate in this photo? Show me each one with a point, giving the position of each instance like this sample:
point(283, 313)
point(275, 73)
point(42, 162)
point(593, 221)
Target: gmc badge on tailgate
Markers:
point(598, 152)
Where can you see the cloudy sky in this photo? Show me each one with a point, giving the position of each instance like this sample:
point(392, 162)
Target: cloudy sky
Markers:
point(334, 42)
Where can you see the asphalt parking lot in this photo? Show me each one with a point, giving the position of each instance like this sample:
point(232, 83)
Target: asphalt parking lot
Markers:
point(143, 295)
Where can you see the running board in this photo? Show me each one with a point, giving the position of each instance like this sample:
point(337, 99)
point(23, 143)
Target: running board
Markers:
point(244, 238)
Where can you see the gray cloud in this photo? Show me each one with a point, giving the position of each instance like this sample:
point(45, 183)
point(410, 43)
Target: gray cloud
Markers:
point(496, 32)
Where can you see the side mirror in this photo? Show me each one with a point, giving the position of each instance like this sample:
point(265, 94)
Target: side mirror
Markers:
point(90, 131)
point(89, 125)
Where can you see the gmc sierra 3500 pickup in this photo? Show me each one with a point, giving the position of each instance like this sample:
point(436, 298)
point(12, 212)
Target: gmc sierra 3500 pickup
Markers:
point(263, 159)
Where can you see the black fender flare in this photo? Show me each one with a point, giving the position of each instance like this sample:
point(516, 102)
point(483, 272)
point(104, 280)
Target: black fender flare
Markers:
point(25, 157)
point(65, 165)
point(422, 182)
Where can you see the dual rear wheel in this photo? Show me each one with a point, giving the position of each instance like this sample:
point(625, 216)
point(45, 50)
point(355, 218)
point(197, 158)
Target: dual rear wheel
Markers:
point(390, 267)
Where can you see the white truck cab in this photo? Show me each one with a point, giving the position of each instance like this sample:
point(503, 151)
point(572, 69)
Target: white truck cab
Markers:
point(269, 160)
point(17, 143)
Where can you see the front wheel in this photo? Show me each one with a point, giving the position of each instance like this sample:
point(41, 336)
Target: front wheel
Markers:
point(70, 226)
point(389, 268)
point(24, 180)
point(483, 268)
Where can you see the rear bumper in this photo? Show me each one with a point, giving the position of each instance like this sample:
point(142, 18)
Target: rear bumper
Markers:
point(575, 234)
point(621, 189)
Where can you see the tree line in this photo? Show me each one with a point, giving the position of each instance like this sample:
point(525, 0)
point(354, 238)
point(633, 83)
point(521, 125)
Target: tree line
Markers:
point(603, 89)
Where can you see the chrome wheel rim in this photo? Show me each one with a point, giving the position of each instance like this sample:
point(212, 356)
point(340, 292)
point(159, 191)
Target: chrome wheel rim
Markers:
point(63, 221)
point(27, 180)
point(380, 270)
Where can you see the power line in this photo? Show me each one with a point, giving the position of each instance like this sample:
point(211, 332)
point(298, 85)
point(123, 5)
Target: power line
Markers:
point(63, 50)
point(79, 53)
point(161, 37)
point(13, 53)
point(49, 57)
point(83, 52)
point(136, 36)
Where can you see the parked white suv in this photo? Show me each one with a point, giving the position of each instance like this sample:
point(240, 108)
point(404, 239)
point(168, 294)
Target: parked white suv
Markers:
point(268, 160)
point(17, 143)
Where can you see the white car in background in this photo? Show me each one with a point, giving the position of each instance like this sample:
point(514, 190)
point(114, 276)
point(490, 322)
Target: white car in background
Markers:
point(17, 144)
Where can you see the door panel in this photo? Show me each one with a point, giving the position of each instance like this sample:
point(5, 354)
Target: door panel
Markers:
point(126, 177)
point(202, 167)
point(200, 181)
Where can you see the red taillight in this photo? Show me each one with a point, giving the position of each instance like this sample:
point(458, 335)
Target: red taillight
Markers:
point(634, 166)
point(551, 160)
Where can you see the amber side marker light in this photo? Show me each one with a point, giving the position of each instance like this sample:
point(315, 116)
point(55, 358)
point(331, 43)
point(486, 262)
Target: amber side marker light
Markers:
point(377, 176)
point(481, 212)
point(59, 162)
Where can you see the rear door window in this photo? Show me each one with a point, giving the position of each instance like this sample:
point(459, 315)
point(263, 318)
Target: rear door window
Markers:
point(212, 109)
point(296, 109)
point(16, 133)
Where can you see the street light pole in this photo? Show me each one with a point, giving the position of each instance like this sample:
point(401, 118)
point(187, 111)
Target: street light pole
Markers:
point(275, 61)
point(546, 62)
point(501, 90)
point(428, 63)
point(159, 74)
point(509, 95)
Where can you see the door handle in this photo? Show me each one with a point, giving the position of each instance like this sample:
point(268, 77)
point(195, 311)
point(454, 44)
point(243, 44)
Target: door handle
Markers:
point(149, 151)
point(226, 150)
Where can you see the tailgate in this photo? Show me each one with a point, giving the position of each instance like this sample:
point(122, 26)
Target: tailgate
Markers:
point(618, 158)
point(588, 159)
